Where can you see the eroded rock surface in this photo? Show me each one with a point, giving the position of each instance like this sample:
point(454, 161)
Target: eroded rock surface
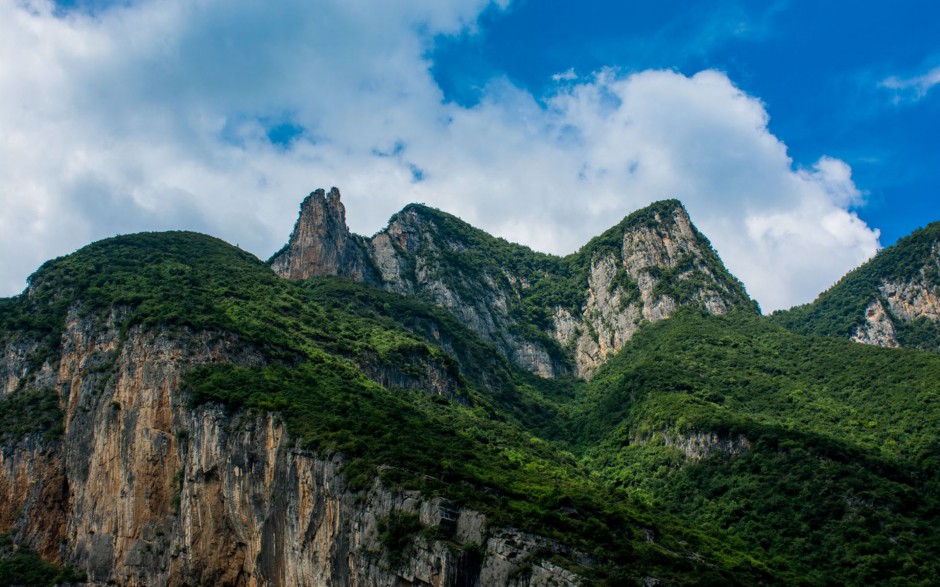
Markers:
point(660, 263)
point(143, 490)
point(898, 303)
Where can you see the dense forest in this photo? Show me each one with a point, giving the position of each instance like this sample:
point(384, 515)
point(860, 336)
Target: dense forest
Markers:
point(732, 449)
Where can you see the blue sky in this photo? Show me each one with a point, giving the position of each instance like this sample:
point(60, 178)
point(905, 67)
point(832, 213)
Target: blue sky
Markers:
point(819, 67)
point(800, 135)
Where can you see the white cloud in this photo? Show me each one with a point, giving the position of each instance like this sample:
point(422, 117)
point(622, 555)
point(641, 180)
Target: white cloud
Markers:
point(155, 116)
point(565, 76)
point(913, 88)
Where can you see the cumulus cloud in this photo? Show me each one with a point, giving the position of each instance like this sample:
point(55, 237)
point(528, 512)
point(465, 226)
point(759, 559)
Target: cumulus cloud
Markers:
point(219, 116)
point(912, 88)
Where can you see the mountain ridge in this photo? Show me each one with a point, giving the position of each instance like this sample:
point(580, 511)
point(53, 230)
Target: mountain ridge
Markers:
point(170, 407)
point(891, 300)
point(174, 413)
point(551, 315)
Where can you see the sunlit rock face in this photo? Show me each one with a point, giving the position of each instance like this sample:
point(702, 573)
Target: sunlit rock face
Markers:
point(638, 272)
point(143, 490)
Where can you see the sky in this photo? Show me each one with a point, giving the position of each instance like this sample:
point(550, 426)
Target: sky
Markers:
point(800, 135)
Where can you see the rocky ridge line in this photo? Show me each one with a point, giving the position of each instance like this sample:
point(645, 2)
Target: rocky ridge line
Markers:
point(642, 270)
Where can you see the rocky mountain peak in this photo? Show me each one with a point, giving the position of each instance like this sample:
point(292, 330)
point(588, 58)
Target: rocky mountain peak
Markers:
point(640, 271)
point(892, 300)
point(547, 314)
point(321, 243)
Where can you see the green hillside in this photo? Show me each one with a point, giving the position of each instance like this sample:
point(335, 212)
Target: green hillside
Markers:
point(482, 448)
point(841, 309)
point(711, 450)
point(830, 457)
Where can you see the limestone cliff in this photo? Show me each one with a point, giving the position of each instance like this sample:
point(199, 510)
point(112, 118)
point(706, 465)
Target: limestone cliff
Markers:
point(321, 243)
point(878, 327)
point(549, 315)
point(655, 267)
point(142, 489)
point(898, 304)
point(892, 300)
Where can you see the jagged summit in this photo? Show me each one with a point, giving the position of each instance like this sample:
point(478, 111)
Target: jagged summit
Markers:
point(321, 243)
point(892, 300)
point(173, 413)
point(550, 315)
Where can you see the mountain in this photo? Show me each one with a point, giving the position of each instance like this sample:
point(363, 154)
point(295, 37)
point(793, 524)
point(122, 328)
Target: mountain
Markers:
point(892, 300)
point(174, 412)
point(550, 315)
point(820, 452)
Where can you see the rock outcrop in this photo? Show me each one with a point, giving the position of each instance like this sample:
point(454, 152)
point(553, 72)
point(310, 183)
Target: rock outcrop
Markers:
point(141, 489)
point(899, 304)
point(657, 267)
point(321, 243)
point(878, 328)
point(587, 305)
point(893, 300)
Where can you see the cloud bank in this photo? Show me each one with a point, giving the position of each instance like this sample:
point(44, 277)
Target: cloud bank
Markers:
point(220, 116)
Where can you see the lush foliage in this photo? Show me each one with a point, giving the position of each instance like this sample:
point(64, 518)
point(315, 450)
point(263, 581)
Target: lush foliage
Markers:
point(841, 309)
point(21, 566)
point(712, 450)
point(30, 412)
point(822, 452)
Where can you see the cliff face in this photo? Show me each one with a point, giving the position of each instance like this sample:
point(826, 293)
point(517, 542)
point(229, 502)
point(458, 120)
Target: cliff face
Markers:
point(657, 267)
point(891, 301)
point(416, 255)
point(902, 303)
point(586, 306)
point(140, 489)
point(321, 243)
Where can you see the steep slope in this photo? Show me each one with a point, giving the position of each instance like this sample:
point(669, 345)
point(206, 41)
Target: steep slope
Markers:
point(892, 300)
point(821, 452)
point(187, 417)
point(174, 413)
point(549, 315)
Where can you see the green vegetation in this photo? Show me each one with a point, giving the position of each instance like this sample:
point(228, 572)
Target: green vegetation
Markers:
point(443, 448)
point(396, 533)
point(20, 566)
point(841, 309)
point(489, 448)
point(824, 452)
point(30, 412)
point(711, 450)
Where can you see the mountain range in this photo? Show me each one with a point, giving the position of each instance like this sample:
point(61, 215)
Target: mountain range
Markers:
point(437, 406)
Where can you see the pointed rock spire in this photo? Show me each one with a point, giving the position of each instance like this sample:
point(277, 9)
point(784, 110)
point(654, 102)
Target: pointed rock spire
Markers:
point(321, 243)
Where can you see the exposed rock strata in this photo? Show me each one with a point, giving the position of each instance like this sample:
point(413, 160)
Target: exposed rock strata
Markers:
point(143, 490)
point(699, 445)
point(901, 302)
point(623, 288)
point(613, 313)
point(878, 328)
point(321, 243)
